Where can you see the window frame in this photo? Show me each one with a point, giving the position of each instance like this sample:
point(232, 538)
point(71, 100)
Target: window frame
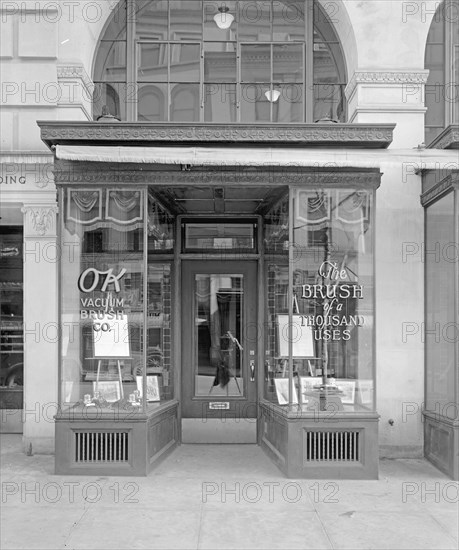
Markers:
point(309, 81)
point(450, 47)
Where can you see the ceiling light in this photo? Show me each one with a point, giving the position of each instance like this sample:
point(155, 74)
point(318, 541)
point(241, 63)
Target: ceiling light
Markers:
point(223, 19)
point(272, 95)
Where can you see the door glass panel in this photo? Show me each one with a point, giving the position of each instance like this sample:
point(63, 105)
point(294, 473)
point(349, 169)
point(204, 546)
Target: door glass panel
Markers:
point(218, 318)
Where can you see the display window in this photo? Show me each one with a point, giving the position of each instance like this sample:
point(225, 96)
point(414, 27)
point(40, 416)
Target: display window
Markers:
point(115, 301)
point(320, 301)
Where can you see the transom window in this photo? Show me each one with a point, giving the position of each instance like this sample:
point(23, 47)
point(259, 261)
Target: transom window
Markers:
point(275, 61)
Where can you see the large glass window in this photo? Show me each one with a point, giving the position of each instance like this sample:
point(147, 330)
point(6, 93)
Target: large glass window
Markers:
point(441, 328)
point(442, 60)
point(321, 302)
point(115, 301)
point(238, 61)
point(11, 318)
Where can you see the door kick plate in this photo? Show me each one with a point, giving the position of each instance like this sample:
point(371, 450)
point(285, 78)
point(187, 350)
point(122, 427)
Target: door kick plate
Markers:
point(213, 405)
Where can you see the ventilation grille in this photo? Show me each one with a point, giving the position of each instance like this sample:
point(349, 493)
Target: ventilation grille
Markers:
point(102, 447)
point(342, 446)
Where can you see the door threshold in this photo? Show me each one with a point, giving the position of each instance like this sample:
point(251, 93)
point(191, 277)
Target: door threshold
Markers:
point(216, 430)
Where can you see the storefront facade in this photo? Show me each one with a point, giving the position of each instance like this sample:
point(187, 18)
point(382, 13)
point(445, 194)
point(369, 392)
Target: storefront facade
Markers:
point(235, 243)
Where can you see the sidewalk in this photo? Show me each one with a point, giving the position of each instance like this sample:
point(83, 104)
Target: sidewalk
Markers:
point(223, 496)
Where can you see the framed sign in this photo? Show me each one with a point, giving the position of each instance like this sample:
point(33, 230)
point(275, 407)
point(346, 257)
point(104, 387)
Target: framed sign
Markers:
point(109, 390)
point(348, 389)
point(111, 336)
point(302, 337)
point(152, 387)
point(281, 385)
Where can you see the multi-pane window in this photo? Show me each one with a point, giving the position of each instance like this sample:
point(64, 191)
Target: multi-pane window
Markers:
point(273, 61)
point(442, 60)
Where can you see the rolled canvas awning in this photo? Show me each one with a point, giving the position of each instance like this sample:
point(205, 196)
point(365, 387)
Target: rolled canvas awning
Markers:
point(421, 159)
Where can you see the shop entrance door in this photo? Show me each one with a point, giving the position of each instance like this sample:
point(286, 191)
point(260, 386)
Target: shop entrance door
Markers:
point(219, 351)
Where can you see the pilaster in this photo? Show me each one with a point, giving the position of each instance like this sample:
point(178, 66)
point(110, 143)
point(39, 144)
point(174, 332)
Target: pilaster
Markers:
point(41, 329)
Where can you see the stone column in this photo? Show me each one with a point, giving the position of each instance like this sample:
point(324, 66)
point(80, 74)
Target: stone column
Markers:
point(40, 326)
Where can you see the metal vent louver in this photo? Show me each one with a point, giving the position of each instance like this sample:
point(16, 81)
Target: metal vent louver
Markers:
point(332, 446)
point(103, 447)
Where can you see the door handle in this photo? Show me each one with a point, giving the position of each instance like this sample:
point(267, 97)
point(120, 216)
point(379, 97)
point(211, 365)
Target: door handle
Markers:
point(252, 370)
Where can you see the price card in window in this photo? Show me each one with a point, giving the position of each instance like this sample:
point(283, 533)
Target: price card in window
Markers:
point(111, 336)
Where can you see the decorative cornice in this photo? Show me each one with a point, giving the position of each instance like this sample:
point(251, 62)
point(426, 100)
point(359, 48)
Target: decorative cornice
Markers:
point(448, 139)
point(441, 188)
point(67, 173)
point(385, 78)
point(39, 221)
point(75, 71)
point(339, 135)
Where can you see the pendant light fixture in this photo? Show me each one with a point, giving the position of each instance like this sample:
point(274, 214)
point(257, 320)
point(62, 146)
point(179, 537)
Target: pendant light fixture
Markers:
point(272, 95)
point(223, 19)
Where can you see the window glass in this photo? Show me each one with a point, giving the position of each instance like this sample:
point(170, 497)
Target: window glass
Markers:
point(255, 63)
point(333, 298)
point(185, 62)
point(152, 20)
point(184, 102)
point(220, 103)
point(228, 13)
point(11, 318)
point(288, 20)
point(276, 245)
point(152, 62)
point(102, 300)
point(215, 236)
point(290, 105)
point(441, 59)
point(255, 106)
point(276, 335)
point(329, 101)
point(159, 374)
point(288, 64)
point(218, 330)
point(152, 102)
point(240, 42)
point(114, 69)
point(185, 20)
point(441, 317)
point(220, 62)
point(113, 97)
point(330, 339)
point(254, 21)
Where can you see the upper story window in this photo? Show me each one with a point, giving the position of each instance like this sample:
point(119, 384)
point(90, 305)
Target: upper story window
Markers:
point(442, 60)
point(276, 61)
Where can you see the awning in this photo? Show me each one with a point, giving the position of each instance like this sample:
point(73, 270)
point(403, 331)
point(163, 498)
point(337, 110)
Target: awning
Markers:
point(415, 159)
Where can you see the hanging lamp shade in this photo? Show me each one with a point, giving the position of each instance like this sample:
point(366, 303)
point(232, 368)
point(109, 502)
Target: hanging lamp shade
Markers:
point(272, 95)
point(223, 19)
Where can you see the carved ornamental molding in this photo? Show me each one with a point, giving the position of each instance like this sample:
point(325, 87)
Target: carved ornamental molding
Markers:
point(39, 221)
point(68, 72)
point(386, 78)
point(338, 135)
point(441, 188)
point(449, 139)
point(80, 174)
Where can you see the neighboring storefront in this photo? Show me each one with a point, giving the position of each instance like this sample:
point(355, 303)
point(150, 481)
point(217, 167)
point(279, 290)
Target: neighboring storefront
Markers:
point(27, 250)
